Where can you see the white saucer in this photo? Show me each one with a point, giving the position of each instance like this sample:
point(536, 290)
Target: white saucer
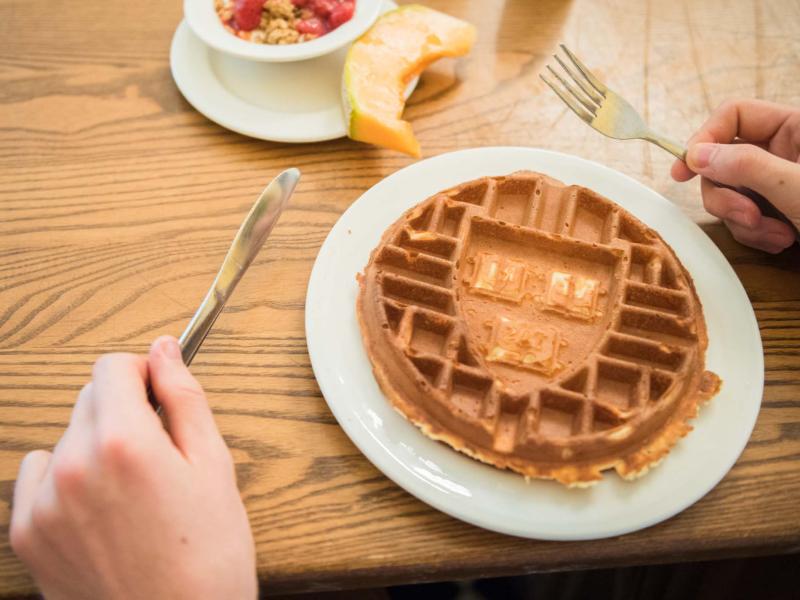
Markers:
point(283, 102)
point(500, 500)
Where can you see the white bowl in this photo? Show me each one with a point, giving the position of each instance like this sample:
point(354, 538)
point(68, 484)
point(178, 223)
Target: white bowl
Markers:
point(205, 23)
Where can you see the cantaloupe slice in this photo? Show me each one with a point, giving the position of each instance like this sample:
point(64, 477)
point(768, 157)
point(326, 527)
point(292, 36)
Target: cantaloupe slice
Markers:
point(384, 60)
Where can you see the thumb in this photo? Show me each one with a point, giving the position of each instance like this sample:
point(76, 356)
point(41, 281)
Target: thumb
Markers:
point(189, 418)
point(775, 178)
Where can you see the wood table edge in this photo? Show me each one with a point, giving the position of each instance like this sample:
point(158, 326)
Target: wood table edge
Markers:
point(553, 561)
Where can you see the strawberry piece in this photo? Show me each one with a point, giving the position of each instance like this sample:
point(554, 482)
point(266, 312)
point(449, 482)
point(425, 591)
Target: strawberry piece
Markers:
point(300, 3)
point(341, 14)
point(247, 14)
point(313, 26)
point(323, 8)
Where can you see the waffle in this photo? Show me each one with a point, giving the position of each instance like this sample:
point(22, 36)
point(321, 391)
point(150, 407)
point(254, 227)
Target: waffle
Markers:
point(536, 327)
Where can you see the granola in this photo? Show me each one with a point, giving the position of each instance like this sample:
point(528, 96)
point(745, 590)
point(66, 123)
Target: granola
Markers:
point(282, 21)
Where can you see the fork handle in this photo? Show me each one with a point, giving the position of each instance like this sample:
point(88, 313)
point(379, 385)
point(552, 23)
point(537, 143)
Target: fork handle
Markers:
point(765, 206)
point(674, 148)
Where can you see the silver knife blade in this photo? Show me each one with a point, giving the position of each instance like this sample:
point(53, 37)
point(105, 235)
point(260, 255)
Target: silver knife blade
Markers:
point(251, 236)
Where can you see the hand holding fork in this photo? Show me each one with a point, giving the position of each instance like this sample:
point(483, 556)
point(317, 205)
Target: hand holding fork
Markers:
point(735, 174)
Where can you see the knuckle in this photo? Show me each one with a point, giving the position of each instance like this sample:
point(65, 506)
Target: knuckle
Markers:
point(117, 450)
point(736, 235)
point(69, 476)
point(728, 105)
point(43, 516)
point(739, 236)
point(711, 203)
point(708, 201)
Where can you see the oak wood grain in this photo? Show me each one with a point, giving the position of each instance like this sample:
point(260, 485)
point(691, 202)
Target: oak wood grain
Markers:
point(118, 201)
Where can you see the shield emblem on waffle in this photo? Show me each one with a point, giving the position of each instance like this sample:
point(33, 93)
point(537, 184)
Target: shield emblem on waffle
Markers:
point(536, 326)
point(534, 306)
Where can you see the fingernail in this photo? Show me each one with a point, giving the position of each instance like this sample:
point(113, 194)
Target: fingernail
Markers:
point(741, 218)
point(170, 348)
point(780, 240)
point(701, 155)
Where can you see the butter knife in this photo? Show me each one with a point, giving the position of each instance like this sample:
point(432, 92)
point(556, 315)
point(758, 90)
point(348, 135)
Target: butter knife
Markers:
point(252, 234)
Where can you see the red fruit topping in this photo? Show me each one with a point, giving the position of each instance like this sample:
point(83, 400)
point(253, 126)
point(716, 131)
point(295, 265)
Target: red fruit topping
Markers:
point(341, 14)
point(313, 26)
point(247, 14)
point(300, 3)
point(323, 8)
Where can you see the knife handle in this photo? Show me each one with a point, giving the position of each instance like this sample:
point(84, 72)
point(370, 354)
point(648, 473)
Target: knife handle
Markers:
point(194, 335)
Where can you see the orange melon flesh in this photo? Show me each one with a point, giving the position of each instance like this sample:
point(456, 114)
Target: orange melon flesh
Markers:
point(385, 59)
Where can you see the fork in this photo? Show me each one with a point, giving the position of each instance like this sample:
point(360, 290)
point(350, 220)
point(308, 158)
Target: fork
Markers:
point(609, 113)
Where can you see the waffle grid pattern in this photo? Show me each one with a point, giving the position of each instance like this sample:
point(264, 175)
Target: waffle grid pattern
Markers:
point(652, 334)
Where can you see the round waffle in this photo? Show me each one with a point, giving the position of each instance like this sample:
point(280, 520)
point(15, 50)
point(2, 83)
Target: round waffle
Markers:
point(537, 327)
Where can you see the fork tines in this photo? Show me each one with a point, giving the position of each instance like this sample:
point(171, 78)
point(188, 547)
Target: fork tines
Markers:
point(586, 98)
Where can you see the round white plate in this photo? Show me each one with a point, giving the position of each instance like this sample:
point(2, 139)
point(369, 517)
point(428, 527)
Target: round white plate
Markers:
point(501, 500)
point(283, 102)
point(204, 21)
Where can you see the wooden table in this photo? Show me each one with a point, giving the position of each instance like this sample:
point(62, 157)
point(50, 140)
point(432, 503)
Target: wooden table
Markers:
point(118, 201)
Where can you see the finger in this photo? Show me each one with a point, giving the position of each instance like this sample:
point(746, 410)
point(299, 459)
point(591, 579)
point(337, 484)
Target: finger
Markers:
point(746, 118)
point(119, 399)
point(775, 178)
point(680, 170)
point(770, 236)
point(82, 411)
point(755, 121)
point(80, 422)
point(189, 418)
point(762, 145)
point(730, 205)
point(31, 473)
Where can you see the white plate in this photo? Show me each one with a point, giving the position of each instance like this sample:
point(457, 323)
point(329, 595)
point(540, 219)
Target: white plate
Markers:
point(204, 21)
point(500, 500)
point(284, 102)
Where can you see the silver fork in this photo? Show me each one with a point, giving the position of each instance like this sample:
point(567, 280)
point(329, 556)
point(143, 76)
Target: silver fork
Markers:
point(609, 113)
